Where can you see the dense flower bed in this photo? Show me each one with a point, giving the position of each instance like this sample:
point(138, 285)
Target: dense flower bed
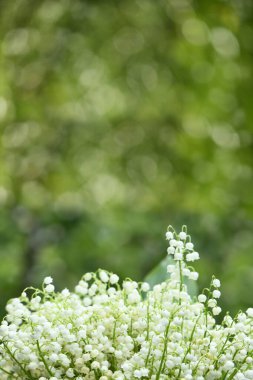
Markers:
point(104, 330)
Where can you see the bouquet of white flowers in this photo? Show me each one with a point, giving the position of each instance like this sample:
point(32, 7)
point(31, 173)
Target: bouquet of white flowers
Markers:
point(104, 330)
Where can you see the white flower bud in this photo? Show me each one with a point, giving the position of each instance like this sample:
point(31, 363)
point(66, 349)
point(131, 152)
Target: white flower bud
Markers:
point(212, 302)
point(250, 312)
point(145, 287)
point(216, 294)
point(48, 280)
point(173, 243)
point(202, 298)
point(170, 250)
point(216, 283)
point(49, 288)
point(182, 235)
point(87, 276)
point(193, 276)
point(216, 310)
point(178, 256)
point(249, 374)
point(169, 235)
point(189, 246)
point(114, 279)
point(103, 276)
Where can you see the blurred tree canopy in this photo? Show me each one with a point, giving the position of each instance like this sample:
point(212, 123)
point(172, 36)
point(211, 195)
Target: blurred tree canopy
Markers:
point(117, 119)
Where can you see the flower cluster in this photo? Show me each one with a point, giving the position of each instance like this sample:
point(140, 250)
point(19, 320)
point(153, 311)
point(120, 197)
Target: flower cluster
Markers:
point(107, 330)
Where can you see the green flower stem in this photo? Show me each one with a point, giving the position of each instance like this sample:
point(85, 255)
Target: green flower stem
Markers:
point(43, 359)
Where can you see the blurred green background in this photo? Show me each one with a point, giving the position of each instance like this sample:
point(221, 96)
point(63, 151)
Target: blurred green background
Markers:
point(117, 119)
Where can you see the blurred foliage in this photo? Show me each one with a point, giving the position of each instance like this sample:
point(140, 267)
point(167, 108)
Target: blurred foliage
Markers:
point(117, 119)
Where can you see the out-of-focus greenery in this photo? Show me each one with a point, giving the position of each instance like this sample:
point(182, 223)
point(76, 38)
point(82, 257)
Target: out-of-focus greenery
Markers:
point(118, 118)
